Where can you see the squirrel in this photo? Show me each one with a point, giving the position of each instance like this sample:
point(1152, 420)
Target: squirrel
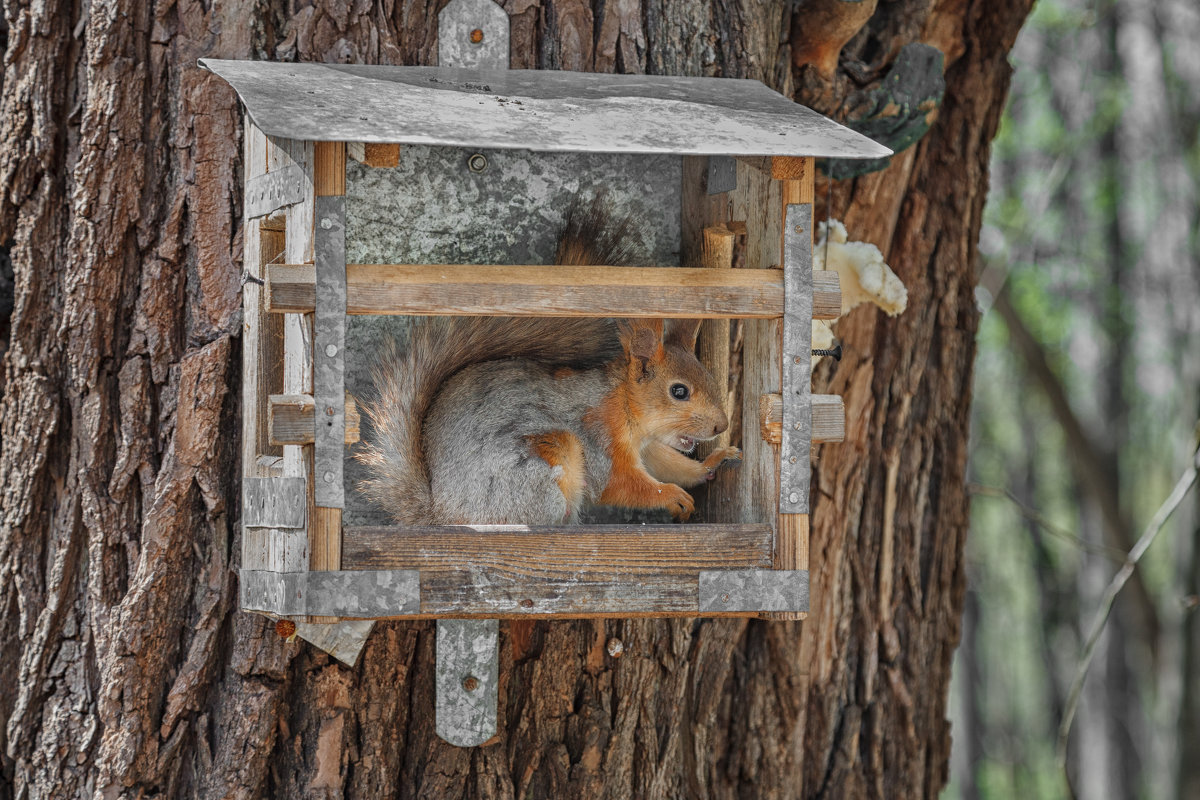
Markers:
point(525, 421)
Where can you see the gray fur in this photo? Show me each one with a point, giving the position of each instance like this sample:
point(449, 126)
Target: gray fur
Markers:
point(478, 425)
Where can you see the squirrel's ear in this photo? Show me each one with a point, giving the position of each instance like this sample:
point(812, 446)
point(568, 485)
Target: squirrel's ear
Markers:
point(683, 333)
point(642, 340)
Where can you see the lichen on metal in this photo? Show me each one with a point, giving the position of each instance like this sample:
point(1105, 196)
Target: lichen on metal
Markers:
point(795, 471)
point(468, 680)
point(545, 110)
point(745, 590)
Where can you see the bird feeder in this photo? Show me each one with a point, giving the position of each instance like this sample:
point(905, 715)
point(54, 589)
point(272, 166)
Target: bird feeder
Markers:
point(375, 192)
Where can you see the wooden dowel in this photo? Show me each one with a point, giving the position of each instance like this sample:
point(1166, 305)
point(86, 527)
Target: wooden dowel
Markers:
point(828, 418)
point(713, 346)
point(534, 290)
point(290, 419)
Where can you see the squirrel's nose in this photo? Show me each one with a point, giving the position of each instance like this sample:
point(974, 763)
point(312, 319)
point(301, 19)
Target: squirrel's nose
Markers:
point(721, 424)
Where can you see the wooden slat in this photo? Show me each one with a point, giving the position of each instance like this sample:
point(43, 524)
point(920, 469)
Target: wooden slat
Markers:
point(588, 570)
point(374, 154)
point(534, 290)
point(828, 418)
point(291, 419)
point(539, 551)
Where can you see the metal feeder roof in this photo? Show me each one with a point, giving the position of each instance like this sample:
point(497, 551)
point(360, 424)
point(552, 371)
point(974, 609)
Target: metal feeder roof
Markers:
point(534, 110)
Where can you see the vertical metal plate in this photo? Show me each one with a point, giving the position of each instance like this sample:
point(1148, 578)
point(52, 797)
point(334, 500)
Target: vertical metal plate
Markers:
point(795, 472)
point(460, 23)
point(329, 345)
point(468, 680)
point(722, 174)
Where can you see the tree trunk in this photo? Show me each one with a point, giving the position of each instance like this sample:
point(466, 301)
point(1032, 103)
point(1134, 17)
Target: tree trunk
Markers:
point(132, 674)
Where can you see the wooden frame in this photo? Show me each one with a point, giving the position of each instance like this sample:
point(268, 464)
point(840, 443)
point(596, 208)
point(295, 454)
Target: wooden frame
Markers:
point(513, 572)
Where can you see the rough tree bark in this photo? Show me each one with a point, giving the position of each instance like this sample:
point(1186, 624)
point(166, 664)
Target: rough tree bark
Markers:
point(130, 672)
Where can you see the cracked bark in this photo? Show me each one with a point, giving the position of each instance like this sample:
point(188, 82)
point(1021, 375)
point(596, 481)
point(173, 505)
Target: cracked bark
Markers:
point(135, 676)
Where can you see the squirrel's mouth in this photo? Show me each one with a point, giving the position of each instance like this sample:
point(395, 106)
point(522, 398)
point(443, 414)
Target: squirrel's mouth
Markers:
point(684, 444)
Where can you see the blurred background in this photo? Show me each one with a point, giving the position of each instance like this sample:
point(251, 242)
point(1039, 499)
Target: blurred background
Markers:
point(1086, 402)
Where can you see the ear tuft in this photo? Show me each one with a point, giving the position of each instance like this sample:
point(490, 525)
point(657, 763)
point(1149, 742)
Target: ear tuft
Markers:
point(683, 333)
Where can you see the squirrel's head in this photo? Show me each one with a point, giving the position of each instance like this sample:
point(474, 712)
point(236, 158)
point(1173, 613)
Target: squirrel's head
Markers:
point(674, 398)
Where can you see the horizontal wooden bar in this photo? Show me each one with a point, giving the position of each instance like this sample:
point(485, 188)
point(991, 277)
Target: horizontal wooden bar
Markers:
point(587, 570)
point(828, 418)
point(530, 291)
point(290, 419)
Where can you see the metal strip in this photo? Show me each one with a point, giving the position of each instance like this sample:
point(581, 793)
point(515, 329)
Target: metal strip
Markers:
point(461, 22)
point(274, 502)
point(343, 640)
point(795, 472)
point(468, 680)
point(329, 343)
point(753, 590)
point(722, 174)
point(346, 593)
point(274, 190)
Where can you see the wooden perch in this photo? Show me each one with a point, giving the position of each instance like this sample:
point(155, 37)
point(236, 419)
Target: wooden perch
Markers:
point(290, 419)
point(525, 290)
point(828, 418)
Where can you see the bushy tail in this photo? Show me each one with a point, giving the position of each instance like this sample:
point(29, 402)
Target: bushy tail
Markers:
point(407, 382)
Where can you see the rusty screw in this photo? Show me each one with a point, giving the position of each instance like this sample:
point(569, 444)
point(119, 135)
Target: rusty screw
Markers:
point(526, 603)
point(476, 36)
point(470, 683)
point(285, 628)
point(615, 647)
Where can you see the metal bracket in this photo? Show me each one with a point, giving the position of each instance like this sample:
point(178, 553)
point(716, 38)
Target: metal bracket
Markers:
point(268, 193)
point(795, 471)
point(363, 594)
point(329, 344)
point(745, 590)
point(343, 640)
point(468, 680)
point(722, 174)
point(473, 33)
point(274, 502)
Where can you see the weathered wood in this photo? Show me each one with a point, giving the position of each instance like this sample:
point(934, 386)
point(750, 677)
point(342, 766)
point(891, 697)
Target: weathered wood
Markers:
point(290, 419)
point(712, 349)
point(639, 550)
point(374, 154)
point(793, 168)
point(828, 418)
point(532, 290)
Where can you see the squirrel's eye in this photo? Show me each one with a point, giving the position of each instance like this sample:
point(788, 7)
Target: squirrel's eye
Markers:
point(679, 391)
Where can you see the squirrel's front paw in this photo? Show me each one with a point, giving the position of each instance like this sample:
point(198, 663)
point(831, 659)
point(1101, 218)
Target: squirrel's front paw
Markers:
point(678, 502)
point(719, 457)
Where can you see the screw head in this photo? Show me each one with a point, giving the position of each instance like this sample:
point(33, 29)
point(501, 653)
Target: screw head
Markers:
point(477, 162)
point(793, 498)
point(792, 459)
point(285, 628)
point(331, 350)
point(470, 683)
point(326, 223)
point(725, 598)
point(615, 647)
point(476, 36)
point(799, 229)
point(328, 477)
point(526, 603)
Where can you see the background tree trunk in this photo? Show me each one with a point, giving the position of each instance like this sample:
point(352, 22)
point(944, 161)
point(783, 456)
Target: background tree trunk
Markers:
point(130, 672)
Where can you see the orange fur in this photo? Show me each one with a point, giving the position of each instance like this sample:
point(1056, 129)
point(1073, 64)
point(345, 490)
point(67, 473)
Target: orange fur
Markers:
point(563, 449)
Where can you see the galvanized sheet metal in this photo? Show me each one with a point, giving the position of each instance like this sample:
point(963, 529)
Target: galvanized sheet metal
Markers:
point(722, 174)
point(795, 471)
point(745, 590)
point(274, 502)
point(468, 680)
point(458, 20)
point(343, 640)
point(274, 190)
point(329, 351)
point(534, 109)
point(346, 593)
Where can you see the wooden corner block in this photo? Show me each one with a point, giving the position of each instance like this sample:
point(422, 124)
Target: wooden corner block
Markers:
point(827, 294)
point(374, 154)
point(290, 419)
point(791, 168)
point(828, 418)
point(329, 168)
